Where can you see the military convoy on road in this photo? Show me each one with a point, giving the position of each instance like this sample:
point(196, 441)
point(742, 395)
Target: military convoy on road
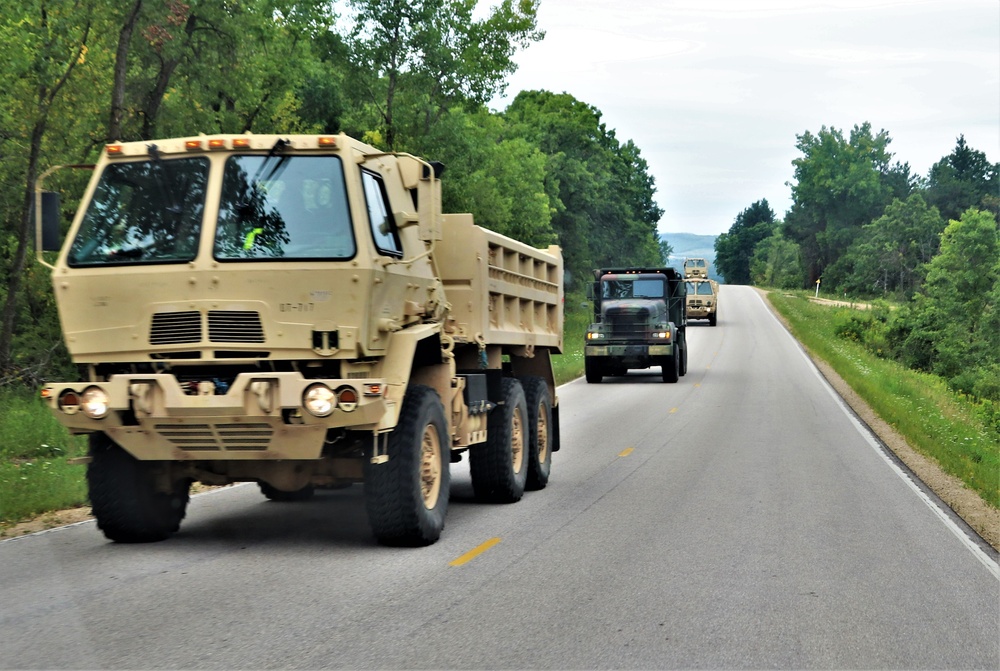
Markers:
point(639, 322)
point(703, 300)
point(296, 311)
point(702, 292)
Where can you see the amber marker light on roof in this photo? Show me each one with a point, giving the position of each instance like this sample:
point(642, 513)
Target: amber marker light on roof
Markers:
point(216, 144)
point(241, 143)
point(328, 142)
point(113, 149)
point(193, 144)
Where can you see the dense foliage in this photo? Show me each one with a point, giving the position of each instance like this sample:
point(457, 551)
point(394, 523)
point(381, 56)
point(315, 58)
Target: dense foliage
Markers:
point(412, 76)
point(865, 228)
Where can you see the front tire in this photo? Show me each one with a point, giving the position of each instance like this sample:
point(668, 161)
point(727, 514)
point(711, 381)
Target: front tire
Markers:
point(124, 498)
point(593, 370)
point(407, 496)
point(499, 468)
point(540, 431)
point(671, 368)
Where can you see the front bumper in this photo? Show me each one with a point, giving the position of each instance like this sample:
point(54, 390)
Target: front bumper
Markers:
point(260, 416)
point(627, 351)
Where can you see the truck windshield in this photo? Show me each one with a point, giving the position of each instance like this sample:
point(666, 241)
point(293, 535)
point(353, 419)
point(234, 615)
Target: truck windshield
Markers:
point(143, 212)
point(284, 207)
point(632, 288)
point(699, 288)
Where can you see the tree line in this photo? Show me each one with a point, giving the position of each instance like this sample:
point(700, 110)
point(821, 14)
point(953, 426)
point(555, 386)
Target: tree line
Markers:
point(404, 75)
point(864, 226)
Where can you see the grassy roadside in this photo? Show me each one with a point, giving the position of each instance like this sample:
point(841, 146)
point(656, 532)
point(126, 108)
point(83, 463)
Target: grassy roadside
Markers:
point(34, 448)
point(946, 427)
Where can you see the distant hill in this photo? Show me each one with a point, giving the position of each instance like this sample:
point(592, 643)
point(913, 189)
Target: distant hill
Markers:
point(692, 245)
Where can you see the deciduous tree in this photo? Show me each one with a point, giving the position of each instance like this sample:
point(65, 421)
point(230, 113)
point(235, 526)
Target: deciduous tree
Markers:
point(840, 185)
point(735, 249)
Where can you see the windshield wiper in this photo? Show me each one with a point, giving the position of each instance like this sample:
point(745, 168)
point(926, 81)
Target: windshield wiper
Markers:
point(278, 167)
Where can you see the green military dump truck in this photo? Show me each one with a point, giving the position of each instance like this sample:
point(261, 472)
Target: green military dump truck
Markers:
point(296, 311)
point(703, 300)
point(639, 322)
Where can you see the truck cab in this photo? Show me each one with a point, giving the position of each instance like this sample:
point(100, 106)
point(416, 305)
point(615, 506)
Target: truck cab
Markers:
point(639, 322)
point(696, 268)
point(703, 300)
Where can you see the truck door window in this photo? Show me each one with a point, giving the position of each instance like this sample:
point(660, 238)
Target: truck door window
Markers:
point(143, 212)
point(284, 207)
point(383, 227)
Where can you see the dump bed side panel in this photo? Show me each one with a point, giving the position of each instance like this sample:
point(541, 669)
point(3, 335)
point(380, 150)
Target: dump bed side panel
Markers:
point(505, 291)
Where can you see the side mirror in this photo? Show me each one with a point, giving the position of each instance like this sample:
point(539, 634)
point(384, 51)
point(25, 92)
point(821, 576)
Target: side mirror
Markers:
point(49, 225)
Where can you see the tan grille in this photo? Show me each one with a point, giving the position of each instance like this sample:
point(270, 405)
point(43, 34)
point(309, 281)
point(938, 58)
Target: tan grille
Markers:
point(234, 326)
point(171, 328)
point(215, 437)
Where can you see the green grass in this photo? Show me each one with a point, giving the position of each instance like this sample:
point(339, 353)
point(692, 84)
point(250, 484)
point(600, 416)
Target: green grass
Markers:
point(34, 474)
point(569, 365)
point(936, 421)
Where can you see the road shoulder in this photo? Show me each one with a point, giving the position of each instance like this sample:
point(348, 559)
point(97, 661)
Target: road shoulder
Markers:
point(967, 504)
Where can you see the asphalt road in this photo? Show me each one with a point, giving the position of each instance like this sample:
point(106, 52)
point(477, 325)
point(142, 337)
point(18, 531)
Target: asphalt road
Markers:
point(738, 519)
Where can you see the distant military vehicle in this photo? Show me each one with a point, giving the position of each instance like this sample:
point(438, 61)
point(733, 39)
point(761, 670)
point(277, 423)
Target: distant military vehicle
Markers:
point(296, 311)
point(696, 268)
point(703, 300)
point(639, 322)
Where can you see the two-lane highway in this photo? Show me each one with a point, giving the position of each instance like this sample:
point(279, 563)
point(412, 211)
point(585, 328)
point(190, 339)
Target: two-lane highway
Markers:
point(740, 518)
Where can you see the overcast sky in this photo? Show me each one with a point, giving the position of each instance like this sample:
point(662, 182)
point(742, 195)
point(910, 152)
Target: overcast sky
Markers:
point(714, 92)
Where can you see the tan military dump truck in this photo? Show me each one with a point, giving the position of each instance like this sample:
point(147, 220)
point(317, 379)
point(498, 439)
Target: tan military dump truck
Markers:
point(703, 300)
point(696, 268)
point(296, 311)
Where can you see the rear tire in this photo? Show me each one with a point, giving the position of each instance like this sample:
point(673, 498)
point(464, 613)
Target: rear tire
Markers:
point(593, 370)
point(499, 468)
point(407, 496)
point(124, 498)
point(684, 360)
point(274, 494)
point(671, 369)
point(540, 431)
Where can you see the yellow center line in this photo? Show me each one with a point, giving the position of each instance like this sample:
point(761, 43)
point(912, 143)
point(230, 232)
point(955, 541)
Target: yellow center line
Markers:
point(673, 410)
point(627, 451)
point(474, 552)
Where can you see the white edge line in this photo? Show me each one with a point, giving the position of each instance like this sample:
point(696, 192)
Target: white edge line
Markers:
point(866, 433)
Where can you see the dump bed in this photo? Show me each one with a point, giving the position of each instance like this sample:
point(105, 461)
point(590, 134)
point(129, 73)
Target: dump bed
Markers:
point(502, 290)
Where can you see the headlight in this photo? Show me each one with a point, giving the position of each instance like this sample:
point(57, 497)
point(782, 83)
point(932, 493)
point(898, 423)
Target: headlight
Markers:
point(319, 400)
point(592, 335)
point(662, 334)
point(94, 402)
